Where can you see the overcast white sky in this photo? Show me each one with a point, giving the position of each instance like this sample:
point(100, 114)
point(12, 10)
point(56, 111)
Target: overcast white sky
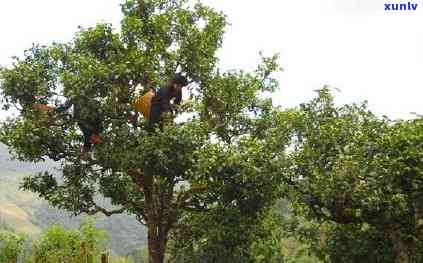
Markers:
point(354, 45)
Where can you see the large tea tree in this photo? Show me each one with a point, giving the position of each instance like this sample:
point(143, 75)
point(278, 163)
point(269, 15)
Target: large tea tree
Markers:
point(216, 154)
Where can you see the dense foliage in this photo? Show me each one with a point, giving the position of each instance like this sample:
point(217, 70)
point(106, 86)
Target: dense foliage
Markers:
point(360, 176)
point(207, 180)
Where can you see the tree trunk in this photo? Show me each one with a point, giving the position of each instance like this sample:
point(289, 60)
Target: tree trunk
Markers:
point(157, 219)
point(158, 215)
point(400, 248)
point(157, 241)
point(104, 258)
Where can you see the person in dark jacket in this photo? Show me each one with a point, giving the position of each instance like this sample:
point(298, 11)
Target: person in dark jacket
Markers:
point(161, 102)
point(88, 115)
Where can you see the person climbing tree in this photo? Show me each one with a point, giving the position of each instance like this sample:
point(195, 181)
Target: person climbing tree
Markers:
point(38, 103)
point(153, 105)
point(86, 112)
point(88, 115)
point(161, 101)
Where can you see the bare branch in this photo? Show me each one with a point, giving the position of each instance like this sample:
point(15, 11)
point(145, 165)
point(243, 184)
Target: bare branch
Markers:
point(98, 209)
point(184, 199)
point(195, 207)
point(184, 196)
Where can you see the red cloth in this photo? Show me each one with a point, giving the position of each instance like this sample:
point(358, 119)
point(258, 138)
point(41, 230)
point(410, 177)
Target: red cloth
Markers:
point(95, 139)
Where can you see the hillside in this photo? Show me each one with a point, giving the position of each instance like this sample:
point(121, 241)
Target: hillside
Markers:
point(25, 212)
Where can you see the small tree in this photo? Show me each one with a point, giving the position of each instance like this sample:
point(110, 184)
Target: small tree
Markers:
point(216, 154)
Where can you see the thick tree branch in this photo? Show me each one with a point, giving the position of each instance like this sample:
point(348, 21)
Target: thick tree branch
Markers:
point(138, 206)
point(195, 207)
point(98, 209)
point(184, 196)
point(137, 177)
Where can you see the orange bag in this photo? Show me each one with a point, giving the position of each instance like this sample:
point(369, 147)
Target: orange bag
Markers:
point(143, 104)
point(43, 107)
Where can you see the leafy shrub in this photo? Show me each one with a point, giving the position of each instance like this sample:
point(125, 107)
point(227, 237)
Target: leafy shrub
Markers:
point(11, 247)
point(59, 244)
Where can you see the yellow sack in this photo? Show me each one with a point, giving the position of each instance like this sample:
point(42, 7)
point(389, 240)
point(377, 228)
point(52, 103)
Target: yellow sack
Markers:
point(143, 104)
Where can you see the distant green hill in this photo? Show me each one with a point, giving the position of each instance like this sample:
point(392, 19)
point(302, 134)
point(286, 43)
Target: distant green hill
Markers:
point(25, 212)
